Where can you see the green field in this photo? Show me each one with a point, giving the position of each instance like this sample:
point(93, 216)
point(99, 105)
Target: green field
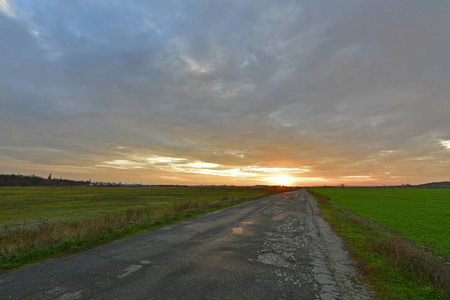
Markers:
point(421, 215)
point(19, 205)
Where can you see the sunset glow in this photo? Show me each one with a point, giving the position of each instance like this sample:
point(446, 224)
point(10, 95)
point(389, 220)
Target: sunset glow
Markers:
point(226, 92)
point(282, 180)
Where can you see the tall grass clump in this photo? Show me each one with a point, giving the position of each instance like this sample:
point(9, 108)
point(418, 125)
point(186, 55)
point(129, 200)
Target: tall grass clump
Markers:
point(396, 267)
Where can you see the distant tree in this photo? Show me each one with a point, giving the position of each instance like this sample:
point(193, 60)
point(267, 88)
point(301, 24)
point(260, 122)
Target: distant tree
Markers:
point(33, 180)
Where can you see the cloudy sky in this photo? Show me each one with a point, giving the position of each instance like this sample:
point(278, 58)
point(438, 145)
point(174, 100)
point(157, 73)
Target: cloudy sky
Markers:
point(226, 92)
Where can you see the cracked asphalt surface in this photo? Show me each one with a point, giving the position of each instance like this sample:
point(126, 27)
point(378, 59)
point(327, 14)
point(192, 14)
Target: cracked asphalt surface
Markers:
point(273, 248)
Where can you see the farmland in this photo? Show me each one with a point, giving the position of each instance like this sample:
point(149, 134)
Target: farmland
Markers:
point(394, 235)
point(421, 215)
point(26, 205)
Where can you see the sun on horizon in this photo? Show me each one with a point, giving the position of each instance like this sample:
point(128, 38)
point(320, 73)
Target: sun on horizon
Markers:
point(282, 180)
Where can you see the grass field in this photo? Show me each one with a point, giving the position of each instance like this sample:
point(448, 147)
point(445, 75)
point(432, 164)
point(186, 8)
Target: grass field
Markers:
point(421, 215)
point(390, 232)
point(19, 205)
point(42, 222)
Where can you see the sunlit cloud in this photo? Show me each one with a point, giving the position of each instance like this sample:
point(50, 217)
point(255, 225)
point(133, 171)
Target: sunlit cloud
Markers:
point(275, 170)
point(294, 180)
point(237, 173)
point(386, 152)
point(163, 159)
point(445, 143)
point(356, 177)
point(195, 66)
point(122, 164)
point(184, 165)
point(6, 9)
point(202, 165)
point(174, 178)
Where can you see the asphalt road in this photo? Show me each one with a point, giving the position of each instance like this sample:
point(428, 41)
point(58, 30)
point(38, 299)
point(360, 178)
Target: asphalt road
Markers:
point(273, 248)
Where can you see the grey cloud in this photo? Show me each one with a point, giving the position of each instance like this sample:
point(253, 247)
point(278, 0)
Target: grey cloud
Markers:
point(326, 84)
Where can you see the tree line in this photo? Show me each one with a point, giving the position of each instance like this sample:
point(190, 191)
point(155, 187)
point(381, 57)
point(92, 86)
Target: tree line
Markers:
point(33, 180)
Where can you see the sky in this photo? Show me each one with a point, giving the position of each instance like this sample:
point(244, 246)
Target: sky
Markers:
point(238, 92)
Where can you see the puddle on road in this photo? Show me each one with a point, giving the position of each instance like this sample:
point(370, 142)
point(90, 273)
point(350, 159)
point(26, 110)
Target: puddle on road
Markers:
point(240, 229)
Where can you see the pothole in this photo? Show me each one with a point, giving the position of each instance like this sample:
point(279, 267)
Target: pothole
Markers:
point(281, 240)
point(283, 259)
point(273, 211)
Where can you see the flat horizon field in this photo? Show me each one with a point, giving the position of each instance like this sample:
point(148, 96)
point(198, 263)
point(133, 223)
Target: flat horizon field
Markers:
point(421, 215)
point(25, 206)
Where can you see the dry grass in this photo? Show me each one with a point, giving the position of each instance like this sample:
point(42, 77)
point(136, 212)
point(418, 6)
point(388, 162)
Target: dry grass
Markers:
point(414, 262)
point(52, 234)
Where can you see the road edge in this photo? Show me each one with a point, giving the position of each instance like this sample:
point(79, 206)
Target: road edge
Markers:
point(342, 266)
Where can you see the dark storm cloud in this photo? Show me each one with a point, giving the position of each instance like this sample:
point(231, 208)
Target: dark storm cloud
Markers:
point(344, 88)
